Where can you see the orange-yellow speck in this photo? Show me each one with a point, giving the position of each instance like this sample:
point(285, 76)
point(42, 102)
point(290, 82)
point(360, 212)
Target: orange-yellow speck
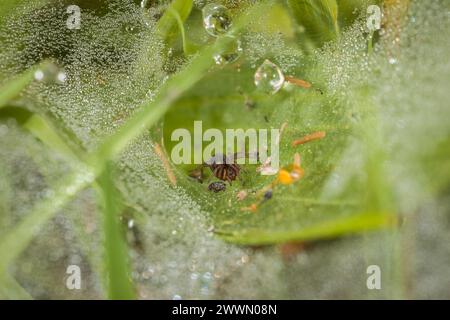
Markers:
point(252, 208)
point(284, 177)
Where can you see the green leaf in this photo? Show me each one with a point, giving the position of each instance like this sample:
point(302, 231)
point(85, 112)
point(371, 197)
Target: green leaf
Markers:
point(297, 212)
point(327, 229)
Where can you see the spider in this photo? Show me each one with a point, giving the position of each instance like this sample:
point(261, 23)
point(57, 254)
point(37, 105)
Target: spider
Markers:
point(223, 167)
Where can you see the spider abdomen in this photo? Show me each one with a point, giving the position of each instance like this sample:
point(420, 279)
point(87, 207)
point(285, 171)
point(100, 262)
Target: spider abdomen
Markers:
point(225, 172)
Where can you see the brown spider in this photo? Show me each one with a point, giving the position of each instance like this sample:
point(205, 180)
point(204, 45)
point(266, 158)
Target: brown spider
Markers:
point(223, 167)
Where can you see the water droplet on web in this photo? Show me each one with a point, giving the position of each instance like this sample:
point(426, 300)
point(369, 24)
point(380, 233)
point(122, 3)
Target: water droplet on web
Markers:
point(61, 77)
point(216, 19)
point(207, 276)
point(150, 95)
point(130, 29)
point(269, 77)
point(39, 75)
point(204, 290)
point(392, 60)
point(50, 73)
point(194, 276)
point(230, 55)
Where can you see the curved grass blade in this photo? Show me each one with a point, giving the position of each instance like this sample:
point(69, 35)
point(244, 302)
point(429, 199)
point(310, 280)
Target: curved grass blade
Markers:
point(188, 46)
point(318, 17)
point(168, 23)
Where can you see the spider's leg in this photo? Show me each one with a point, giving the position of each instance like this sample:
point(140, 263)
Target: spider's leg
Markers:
point(216, 172)
point(246, 155)
point(202, 172)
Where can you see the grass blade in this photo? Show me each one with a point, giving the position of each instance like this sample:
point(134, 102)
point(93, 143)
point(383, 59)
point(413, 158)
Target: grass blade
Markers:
point(116, 259)
point(42, 130)
point(15, 241)
point(15, 86)
point(318, 17)
point(168, 23)
point(188, 46)
point(10, 289)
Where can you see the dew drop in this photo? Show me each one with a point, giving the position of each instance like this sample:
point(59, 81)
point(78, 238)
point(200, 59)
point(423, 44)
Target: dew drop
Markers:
point(194, 276)
point(216, 19)
point(39, 75)
point(61, 77)
point(269, 78)
point(392, 60)
point(50, 73)
point(230, 55)
point(207, 276)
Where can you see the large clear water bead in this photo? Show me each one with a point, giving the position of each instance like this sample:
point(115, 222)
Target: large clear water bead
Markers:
point(269, 77)
point(216, 19)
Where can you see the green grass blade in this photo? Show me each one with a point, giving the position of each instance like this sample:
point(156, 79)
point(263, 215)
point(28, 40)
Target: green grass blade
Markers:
point(16, 240)
point(15, 86)
point(47, 129)
point(116, 259)
point(42, 130)
point(168, 23)
point(318, 17)
point(188, 46)
point(10, 289)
